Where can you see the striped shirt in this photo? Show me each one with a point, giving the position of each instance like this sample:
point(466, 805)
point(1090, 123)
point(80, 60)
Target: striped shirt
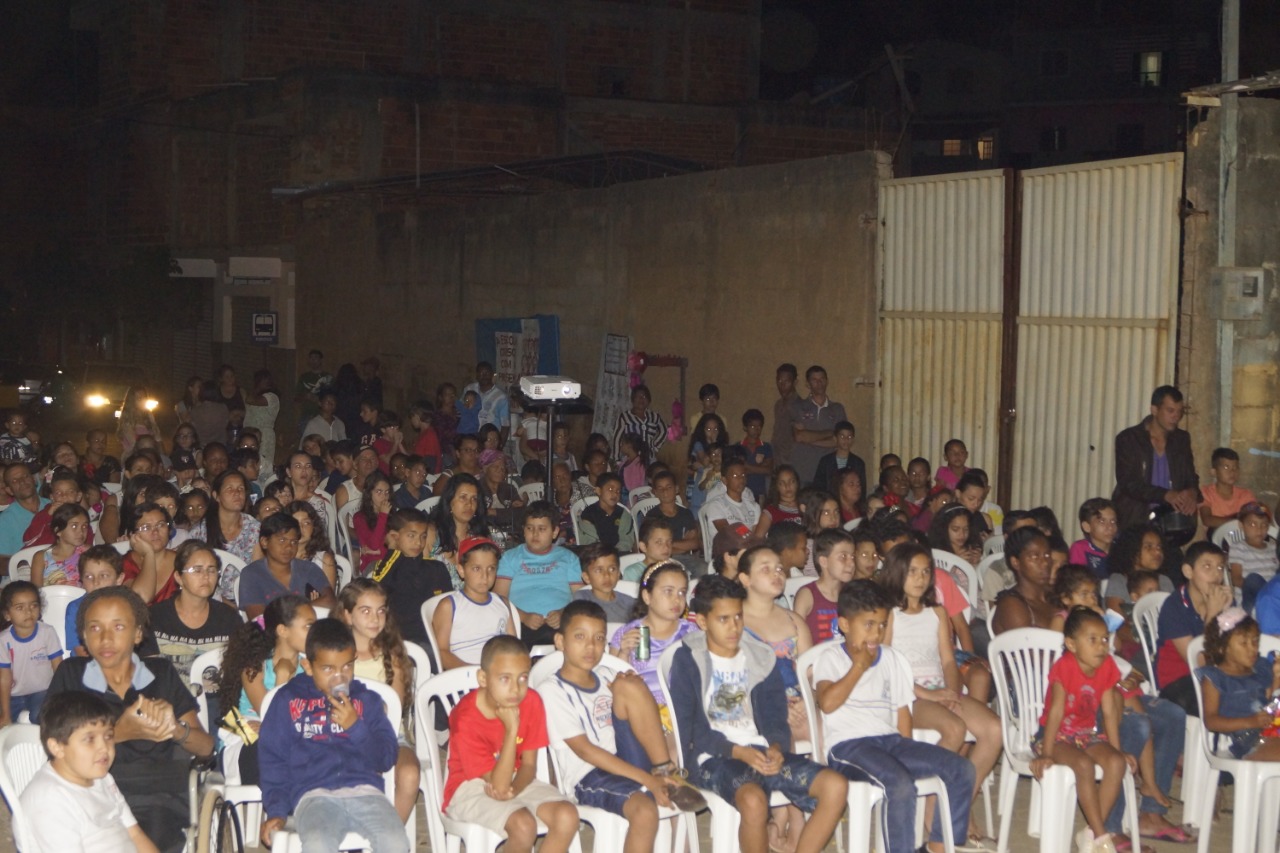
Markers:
point(651, 428)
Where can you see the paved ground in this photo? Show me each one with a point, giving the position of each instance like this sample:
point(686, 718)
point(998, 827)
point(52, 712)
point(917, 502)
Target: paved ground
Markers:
point(1221, 838)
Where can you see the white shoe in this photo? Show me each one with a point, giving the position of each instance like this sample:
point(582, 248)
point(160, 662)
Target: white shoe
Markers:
point(1103, 844)
point(1084, 841)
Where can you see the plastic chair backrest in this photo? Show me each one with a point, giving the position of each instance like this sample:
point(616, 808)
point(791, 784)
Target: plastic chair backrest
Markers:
point(205, 668)
point(664, 676)
point(629, 560)
point(708, 533)
point(424, 667)
point(993, 545)
point(428, 613)
point(961, 571)
point(575, 514)
point(641, 507)
point(640, 493)
point(1228, 534)
point(122, 547)
point(428, 504)
point(1020, 661)
point(793, 586)
point(26, 556)
point(804, 674)
point(447, 688)
point(981, 569)
point(532, 491)
point(852, 524)
point(345, 515)
point(631, 588)
point(549, 665)
point(1146, 621)
point(56, 597)
point(343, 565)
point(21, 757)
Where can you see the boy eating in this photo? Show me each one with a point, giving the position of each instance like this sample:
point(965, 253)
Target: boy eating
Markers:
point(495, 733)
point(604, 725)
point(324, 746)
point(600, 572)
point(728, 696)
point(864, 691)
point(539, 577)
point(606, 521)
point(72, 802)
point(1098, 522)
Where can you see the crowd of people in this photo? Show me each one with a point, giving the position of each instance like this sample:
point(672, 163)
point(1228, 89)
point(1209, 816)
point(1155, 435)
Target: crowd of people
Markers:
point(218, 539)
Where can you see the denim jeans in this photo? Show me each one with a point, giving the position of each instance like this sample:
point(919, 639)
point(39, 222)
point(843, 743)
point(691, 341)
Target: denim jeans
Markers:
point(30, 702)
point(1165, 725)
point(893, 764)
point(1253, 584)
point(324, 821)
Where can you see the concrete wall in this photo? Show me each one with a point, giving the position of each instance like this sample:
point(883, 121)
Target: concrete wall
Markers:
point(1253, 398)
point(738, 270)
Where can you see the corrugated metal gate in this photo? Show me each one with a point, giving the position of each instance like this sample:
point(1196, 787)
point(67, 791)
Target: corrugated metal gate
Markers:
point(1093, 293)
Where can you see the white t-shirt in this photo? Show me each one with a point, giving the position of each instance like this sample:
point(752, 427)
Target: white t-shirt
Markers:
point(872, 707)
point(745, 511)
point(571, 712)
point(728, 703)
point(65, 818)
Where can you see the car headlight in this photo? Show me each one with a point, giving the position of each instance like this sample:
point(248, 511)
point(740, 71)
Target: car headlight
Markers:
point(48, 401)
point(97, 401)
point(150, 405)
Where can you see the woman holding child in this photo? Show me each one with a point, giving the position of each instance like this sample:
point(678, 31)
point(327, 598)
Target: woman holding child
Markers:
point(157, 730)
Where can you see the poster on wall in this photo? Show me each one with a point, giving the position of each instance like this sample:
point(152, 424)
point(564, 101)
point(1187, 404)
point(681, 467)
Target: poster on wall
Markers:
point(613, 385)
point(519, 346)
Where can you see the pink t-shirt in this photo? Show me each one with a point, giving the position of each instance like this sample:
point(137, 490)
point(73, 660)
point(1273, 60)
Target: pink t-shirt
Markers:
point(1226, 507)
point(944, 477)
point(1084, 693)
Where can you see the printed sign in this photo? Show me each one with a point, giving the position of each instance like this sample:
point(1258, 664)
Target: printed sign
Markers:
point(266, 328)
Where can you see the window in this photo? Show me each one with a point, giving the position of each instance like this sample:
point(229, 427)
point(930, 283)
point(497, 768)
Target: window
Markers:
point(986, 148)
point(953, 148)
point(1053, 63)
point(1053, 138)
point(1150, 67)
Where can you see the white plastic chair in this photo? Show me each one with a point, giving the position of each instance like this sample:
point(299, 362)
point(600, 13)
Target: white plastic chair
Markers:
point(444, 832)
point(1228, 534)
point(961, 571)
point(122, 547)
point(290, 842)
point(343, 523)
point(575, 514)
point(330, 516)
point(993, 545)
point(1020, 661)
point(852, 524)
point(21, 757)
point(793, 586)
point(1146, 620)
point(20, 563)
point(423, 666)
point(708, 532)
point(54, 614)
point(1255, 799)
point(981, 571)
point(639, 509)
point(639, 493)
point(530, 492)
point(428, 504)
point(343, 565)
point(428, 613)
point(627, 560)
point(610, 829)
point(724, 815)
point(631, 588)
point(863, 796)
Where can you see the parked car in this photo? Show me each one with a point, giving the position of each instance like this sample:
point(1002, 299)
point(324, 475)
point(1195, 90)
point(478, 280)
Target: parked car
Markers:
point(23, 385)
point(98, 388)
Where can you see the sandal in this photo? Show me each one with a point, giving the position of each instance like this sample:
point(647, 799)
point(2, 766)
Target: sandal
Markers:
point(1176, 834)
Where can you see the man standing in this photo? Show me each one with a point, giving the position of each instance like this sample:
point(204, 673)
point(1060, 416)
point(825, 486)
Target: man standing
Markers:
point(26, 503)
point(494, 406)
point(1154, 464)
point(307, 394)
point(813, 422)
point(782, 442)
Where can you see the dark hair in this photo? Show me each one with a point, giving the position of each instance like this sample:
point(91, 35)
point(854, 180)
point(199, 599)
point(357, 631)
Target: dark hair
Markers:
point(1159, 395)
point(1135, 580)
point(713, 587)
point(275, 487)
point(884, 460)
point(607, 477)
point(825, 542)
point(952, 442)
point(748, 557)
point(11, 591)
point(887, 525)
point(841, 425)
point(1018, 541)
point(281, 522)
point(242, 456)
point(366, 509)
point(1215, 639)
point(649, 579)
point(1093, 507)
point(329, 635)
point(1223, 453)
point(443, 518)
point(774, 498)
point(1077, 619)
point(501, 644)
point(751, 416)
point(638, 443)
point(1012, 517)
point(939, 528)
point(213, 527)
point(141, 616)
point(252, 644)
point(584, 608)
point(893, 576)
point(142, 509)
point(485, 431)
point(1046, 519)
point(104, 554)
point(811, 502)
point(1069, 579)
point(969, 479)
point(652, 522)
point(788, 368)
point(398, 518)
point(63, 714)
point(389, 644)
point(531, 470)
point(588, 554)
point(708, 388)
point(919, 460)
point(319, 541)
point(862, 596)
point(784, 536)
point(62, 517)
point(542, 509)
point(812, 369)
point(699, 433)
point(1200, 549)
point(183, 555)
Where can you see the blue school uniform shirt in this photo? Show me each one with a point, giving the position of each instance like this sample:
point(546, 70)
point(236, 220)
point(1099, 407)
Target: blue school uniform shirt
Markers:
point(540, 582)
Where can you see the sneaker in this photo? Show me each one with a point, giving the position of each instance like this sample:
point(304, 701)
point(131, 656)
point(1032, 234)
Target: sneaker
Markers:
point(1084, 841)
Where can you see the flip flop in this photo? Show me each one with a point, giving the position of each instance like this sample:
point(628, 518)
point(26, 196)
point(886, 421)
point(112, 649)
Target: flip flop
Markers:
point(1176, 834)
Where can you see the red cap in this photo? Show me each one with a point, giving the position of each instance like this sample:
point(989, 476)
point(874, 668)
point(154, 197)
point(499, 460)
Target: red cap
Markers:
point(471, 542)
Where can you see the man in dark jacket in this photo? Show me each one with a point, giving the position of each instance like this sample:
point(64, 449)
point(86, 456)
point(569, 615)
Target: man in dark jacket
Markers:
point(1154, 464)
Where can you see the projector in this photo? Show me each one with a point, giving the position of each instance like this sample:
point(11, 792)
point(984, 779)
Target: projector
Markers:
point(550, 388)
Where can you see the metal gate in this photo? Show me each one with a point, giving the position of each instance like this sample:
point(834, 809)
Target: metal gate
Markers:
point(1080, 322)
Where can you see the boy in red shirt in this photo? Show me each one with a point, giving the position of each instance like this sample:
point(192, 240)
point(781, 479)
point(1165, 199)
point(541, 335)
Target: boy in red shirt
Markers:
point(494, 737)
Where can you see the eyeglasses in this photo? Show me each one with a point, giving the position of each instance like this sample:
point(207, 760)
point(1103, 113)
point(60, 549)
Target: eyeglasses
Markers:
point(159, 527)
point(200, 570)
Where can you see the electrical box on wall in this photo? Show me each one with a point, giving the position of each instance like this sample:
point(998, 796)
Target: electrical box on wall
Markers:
point(1237, 292)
